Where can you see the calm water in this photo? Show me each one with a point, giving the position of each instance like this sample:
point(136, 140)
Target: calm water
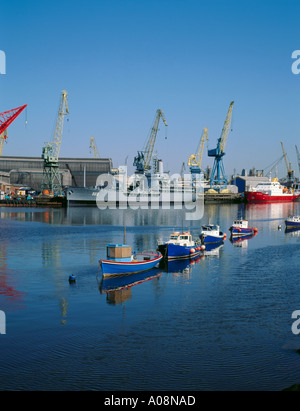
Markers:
point(221, 323)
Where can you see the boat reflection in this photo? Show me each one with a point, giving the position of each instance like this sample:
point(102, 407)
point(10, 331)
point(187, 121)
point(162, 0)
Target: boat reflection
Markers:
point(118, 288)
point(180, 265)
point(213, 249)
point(294, 232)
point(241, 241)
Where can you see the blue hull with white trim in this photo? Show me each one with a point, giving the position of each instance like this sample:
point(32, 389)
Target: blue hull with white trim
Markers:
point(174, 251)
point(111, 267)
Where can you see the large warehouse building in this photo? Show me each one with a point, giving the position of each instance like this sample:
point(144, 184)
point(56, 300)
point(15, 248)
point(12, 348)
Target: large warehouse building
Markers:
point(28, 171)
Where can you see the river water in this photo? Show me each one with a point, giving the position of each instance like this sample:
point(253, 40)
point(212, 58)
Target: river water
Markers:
point(220, 322)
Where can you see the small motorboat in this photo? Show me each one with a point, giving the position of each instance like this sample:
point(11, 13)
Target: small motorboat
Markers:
point(240, 227)
point(120, 260)
point(293, 222)
point(211, 234)
point(180, 245)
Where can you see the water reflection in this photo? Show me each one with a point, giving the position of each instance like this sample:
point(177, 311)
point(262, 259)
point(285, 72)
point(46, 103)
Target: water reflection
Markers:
point(293, 232)
point(242, 241)
point(213, 249)
point(118, 289)
point(213, 213)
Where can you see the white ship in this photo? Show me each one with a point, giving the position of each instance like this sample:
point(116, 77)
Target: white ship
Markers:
point(119, 190)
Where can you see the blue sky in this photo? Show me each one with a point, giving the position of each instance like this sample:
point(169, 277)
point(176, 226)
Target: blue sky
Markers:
point(122, 60)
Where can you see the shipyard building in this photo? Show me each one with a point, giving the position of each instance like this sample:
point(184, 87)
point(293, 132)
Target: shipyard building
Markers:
point(28, 171)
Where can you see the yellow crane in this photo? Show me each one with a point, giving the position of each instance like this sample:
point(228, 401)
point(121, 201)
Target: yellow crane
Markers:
point(3, 138)
point(195, 160)
point(290, 172)
point(93, 146)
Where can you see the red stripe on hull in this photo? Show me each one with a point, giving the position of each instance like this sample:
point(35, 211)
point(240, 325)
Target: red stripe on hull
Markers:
point(258, 197)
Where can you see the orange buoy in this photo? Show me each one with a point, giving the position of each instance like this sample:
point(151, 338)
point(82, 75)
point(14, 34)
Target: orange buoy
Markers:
point(192, 250)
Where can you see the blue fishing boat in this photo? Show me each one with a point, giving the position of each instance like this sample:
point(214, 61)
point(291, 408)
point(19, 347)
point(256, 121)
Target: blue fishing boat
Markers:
point(293, 222)
point(211, 234)
point(240, 228)
point(120, 260)
point(180, 245)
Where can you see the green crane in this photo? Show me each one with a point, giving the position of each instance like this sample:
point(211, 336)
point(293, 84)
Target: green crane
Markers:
point(51, 179)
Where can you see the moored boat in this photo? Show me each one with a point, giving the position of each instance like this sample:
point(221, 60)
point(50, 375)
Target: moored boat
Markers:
point(121, 261)
point(240, 227)
point(293, 222)
point(180, 245)
point(270, 192)
point(211, 234)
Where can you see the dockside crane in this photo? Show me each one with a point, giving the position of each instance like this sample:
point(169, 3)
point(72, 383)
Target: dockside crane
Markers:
point(195, 160)
point(3, 138)
point(93, 147)
point(143, 159)
point(6, 118)
point(298, 157)
point(290, 172)
point(218, 177)
point(51, 179)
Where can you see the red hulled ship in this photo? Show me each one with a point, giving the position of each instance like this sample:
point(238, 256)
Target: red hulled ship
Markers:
point(271, 192)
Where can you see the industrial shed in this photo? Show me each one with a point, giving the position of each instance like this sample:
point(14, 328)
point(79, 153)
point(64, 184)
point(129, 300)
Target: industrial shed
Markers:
point(74, 171)
point(243, 183)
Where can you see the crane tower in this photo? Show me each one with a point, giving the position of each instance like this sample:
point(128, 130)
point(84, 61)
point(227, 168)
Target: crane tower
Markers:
point(51, 180)
point(290, 172)
point(6, 118)
point(93, 146)
point(195, 160)
point(218, 177)
point(143, 159)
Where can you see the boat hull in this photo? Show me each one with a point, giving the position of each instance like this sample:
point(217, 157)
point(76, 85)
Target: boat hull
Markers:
point(174, 251)
point(211, 239)
point(259, 197)
point(292, 224)
point(110, 267)
point(241, 231)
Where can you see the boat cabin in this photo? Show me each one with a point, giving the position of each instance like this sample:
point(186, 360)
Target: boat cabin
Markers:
point(210, 228)
point(118, 252)
point(240, 224)
point(181, 239)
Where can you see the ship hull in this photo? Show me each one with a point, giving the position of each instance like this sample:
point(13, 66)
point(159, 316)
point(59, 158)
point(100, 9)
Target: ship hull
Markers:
point(174, 251)
point(259, 197)
point(78, 196)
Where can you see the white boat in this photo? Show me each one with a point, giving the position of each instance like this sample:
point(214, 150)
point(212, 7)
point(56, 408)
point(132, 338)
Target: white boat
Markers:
point(240, 227)
point(211, 234)
point(293, 222)
point(180, 245)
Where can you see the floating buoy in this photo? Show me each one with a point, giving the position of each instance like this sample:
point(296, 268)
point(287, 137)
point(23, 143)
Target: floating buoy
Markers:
point(255, 230)
point(224, 237)
point(72, 278)
point(192, 250)
point(202, 248)
point(279, 227)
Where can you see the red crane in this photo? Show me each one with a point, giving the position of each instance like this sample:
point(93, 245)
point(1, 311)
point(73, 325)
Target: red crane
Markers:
point(7, 117)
